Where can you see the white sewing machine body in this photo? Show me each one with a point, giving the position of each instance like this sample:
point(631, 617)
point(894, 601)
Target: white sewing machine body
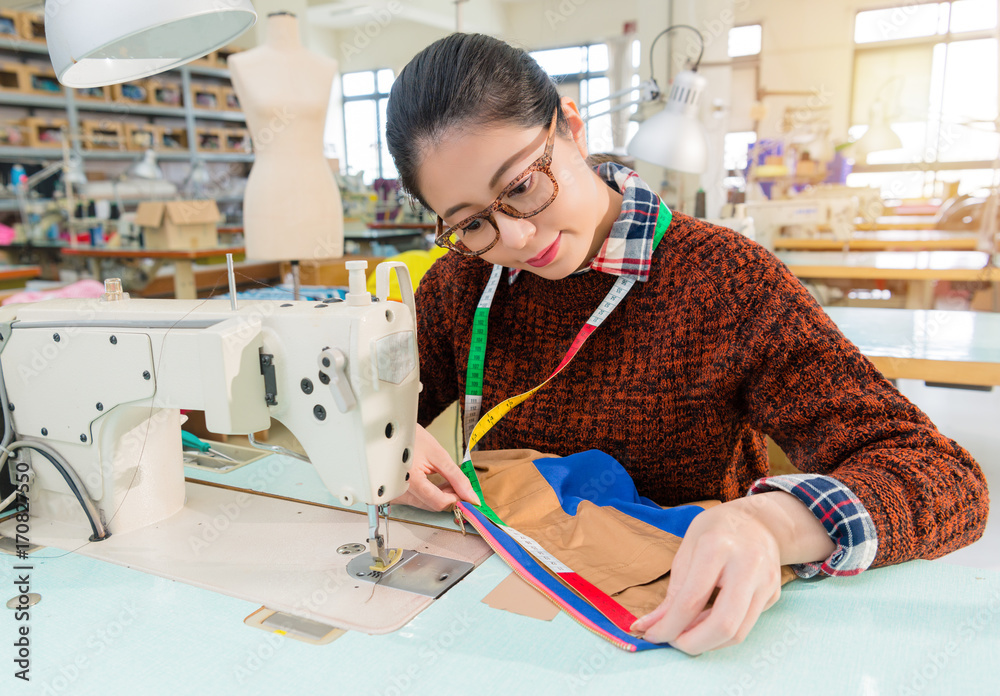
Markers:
point(102, 382)
point(813, 212)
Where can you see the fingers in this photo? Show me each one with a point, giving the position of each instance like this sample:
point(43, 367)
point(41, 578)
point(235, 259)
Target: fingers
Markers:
point(678, 572)
point(678, 611)
point(430, 457)
point(458, 481)
point(735, 611)
point(439, 459)
point(424, 494)
point(747, 588)
point(774, 598)
point(758, 606)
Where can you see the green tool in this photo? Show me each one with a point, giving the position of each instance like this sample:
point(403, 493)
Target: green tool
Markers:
point(194, 442)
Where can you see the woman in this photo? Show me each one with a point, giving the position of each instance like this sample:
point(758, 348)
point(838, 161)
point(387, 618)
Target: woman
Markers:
point(711, 345)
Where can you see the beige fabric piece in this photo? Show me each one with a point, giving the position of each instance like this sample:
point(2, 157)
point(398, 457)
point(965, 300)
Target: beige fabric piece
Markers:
point(515, 595)
point(626, 558)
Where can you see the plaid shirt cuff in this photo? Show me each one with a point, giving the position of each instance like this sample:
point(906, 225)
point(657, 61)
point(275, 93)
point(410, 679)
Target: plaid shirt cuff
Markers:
point(843, 516)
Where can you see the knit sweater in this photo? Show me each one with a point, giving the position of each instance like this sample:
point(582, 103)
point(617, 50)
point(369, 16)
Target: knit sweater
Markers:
point(721, 345)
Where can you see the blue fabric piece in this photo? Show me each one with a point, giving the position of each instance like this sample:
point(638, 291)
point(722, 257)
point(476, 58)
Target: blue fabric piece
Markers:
point(543, 577)
point(598, 477)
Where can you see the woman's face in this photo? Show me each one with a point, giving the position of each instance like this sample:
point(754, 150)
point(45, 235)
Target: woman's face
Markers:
point(466, 170)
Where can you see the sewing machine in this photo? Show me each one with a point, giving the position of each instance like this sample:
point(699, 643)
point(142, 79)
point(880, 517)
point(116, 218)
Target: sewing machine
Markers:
point(812, 212)
point(93, 390)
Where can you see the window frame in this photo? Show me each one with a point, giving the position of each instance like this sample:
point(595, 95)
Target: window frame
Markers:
point(933, 120)
point(578, 78)
point(376, 96)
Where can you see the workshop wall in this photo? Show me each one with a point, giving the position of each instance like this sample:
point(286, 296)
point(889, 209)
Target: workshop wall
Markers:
point(818, 59)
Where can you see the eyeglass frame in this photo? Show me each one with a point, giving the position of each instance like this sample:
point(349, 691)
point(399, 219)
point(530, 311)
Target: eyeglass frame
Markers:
point(543, 164)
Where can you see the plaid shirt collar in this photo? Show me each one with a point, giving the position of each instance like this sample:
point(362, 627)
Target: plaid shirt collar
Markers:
point(629, 247)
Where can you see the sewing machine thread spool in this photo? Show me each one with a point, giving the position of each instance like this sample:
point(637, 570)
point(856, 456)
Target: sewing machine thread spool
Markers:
point(357, 294)
point(113, 290)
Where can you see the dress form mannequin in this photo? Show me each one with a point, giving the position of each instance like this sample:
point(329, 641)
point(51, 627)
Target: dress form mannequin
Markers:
point(291, 208)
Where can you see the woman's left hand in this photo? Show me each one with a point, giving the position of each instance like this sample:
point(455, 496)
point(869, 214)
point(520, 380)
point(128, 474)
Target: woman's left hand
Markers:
point(738, 548)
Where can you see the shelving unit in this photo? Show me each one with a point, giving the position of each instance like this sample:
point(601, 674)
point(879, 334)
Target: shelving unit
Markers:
point(8, 205)
point(72, 105)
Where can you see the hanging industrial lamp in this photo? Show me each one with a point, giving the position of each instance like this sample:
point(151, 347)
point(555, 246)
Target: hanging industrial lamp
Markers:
point(103, 42)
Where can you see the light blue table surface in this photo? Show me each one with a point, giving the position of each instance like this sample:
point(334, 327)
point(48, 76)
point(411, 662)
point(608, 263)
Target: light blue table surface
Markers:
point(921, 334)
point(936, 260)
point(922, 627)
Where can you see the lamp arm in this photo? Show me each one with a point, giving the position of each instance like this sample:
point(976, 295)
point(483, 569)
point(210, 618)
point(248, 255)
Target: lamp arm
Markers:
point(43, 174)
point(615, 109)
point(613, 95)
point(701, 51)
point(648, 91)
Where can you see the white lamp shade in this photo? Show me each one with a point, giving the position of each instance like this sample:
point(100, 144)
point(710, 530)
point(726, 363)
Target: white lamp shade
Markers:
point(73, 172)
point(146, 168)
point(879, 137)
point(675, 138)
point(103, 42)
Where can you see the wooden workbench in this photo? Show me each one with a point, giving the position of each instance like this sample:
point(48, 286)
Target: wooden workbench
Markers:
point(920, 269)
point(10, 275)
point(884, 240)
point(186, 283)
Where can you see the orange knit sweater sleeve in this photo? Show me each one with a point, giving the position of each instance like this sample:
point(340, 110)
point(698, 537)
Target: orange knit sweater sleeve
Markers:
point(833, 413)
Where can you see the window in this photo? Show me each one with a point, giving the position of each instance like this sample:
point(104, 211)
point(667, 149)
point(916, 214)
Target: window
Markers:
point(925, 20)
point(931, 69)
point(582, 73)
point(737, 149)
point(365, 97)
point(744, 41)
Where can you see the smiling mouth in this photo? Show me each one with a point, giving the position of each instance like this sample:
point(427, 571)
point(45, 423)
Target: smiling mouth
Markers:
point(547, 255)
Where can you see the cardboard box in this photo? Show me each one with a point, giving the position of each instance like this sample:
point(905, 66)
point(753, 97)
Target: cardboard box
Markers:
point(328, 272)
point(93, 94)
point(13, 77)
point(32, 26)
point(210, 139)
point(166, 93)
point(136, 92)
point(43, 82)
point(179, 224)
point(12, 134)
point(206, 97)
point(236, 140)
point(806, 168)
point(10, 24)
point(143, 136)
point(229, 100)
point(103, 135)
point(44, 132)
point(173, 139)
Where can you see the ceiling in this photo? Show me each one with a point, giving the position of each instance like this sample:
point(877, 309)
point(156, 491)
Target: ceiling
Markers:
point(340, 14)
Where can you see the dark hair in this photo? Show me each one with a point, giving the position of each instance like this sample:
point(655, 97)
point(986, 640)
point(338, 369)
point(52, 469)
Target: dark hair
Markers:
point(463, 80)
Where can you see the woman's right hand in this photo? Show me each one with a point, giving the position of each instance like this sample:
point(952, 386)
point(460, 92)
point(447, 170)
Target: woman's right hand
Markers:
point(430, 457)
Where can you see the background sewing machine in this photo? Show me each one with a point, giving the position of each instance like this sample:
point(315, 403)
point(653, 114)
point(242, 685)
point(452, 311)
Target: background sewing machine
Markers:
point(93, 390)
point(826, 209)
